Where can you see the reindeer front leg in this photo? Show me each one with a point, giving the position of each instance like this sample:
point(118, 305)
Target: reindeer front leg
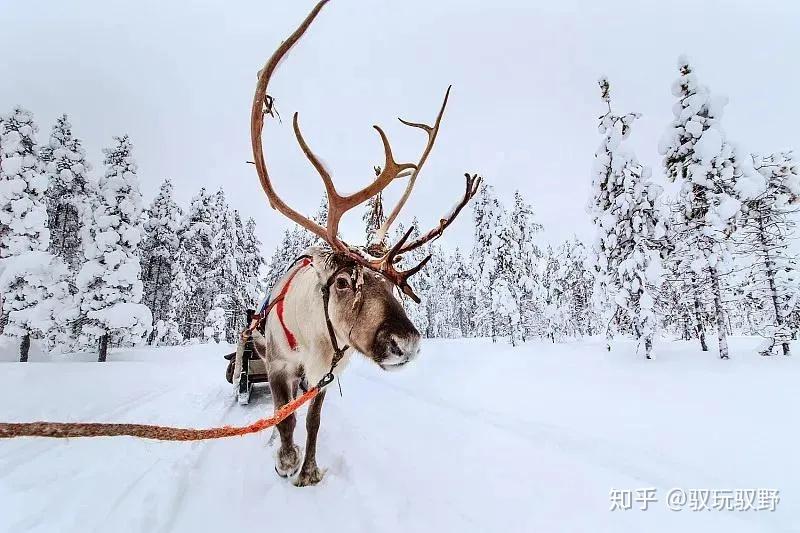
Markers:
point(288, 457)
point(310, 474)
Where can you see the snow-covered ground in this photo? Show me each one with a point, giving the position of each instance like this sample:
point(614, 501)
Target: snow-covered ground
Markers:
point(472, 437)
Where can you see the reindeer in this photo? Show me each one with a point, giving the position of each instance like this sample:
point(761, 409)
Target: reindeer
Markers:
point(338, 299)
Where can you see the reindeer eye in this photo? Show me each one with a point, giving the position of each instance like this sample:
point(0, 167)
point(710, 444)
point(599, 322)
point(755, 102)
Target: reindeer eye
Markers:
point(342, 284)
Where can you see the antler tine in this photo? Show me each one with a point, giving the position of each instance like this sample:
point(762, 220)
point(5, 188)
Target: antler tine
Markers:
point(391, 171)
point(432, 132)
point(260, 103)
point(385, 265)
point(392, 253)
point(403, 276)
point(335, 210)
point(473, 184)
point(411, 271)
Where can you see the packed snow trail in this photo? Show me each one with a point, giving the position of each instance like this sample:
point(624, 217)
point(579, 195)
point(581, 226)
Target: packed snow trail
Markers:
point(473, 436)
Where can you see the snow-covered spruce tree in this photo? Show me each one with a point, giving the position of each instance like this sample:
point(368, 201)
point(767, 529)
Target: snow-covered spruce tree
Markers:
point(459, 282)
point(69, 192)
point(565, 293)
point(683, 313)
point(33, 283)
point(293, 243)
point(554, 317)
point(631, 229)
point(765, 234)
point(157, 252)
point(216, 323)
point(110, 279)
point(686, 295)
point(169, 332)
point(249, 263)
point(576, 282)
point(225, 266)
point(196, 236)
point(715, 181)
point(438, 301)
point(488, 216)
point(523, 260)
point(507, 290)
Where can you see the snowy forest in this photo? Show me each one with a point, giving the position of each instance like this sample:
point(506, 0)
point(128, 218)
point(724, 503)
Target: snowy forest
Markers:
point(86, 265)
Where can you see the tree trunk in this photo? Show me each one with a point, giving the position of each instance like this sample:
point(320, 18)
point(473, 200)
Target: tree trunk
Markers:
point(24, 348)
point(686, 319)
point(770, 268)
point(720, 315)
point(698, 317)
point(103, 352)
point(648, 347)
point(155, 287)
point(63, 245)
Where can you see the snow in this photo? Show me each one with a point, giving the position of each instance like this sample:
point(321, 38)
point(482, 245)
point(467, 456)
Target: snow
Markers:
point(473, 436)
point(709, 145)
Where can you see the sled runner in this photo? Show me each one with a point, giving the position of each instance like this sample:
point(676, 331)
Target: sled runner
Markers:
point(245, 367)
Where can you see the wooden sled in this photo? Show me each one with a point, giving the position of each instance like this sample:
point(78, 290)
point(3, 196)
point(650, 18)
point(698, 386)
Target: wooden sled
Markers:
point(245, 368)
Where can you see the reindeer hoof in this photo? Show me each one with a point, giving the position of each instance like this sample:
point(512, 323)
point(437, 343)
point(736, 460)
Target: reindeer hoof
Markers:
point(308, 478)
point(287, 462)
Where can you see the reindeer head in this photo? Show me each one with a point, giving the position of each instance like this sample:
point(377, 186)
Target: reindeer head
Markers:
point(367, 303)
point(364, 309)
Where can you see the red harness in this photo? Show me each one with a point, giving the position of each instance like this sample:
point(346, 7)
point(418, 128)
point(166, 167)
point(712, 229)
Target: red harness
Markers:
point(279, 300)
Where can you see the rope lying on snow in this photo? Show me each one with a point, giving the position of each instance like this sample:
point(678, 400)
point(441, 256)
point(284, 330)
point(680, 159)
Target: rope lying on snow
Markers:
point(63, 430)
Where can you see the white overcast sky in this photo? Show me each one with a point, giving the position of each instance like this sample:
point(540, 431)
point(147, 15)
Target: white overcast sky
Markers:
point(179, 76)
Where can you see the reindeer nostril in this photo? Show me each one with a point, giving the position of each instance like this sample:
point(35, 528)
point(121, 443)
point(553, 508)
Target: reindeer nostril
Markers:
point(394, 347)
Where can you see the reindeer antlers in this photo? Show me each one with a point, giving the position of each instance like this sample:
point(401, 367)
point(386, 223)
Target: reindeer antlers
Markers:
point(339, 204)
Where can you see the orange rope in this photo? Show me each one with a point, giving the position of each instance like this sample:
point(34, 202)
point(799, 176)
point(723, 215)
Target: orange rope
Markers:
point(62, 430)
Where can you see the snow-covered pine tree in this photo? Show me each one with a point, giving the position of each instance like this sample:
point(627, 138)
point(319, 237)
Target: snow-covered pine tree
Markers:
point(683, 313)
point(225, 266)
point(685, 297)
point(764, 237)
point(170, 330)
point(631, 229)
point(293, 243)
point(110, 279)
point(216, 323)
point(715, 181)
point(437, 301)
point(250, 263)
point(24, 186)
point(525, 256)
point(158, 250)
point(196, 236)
point(554, 318)
point(506, 291)
point(488, 216)
point(33, 283)
point(576, 284)
point(459, 282)
point(69, 192)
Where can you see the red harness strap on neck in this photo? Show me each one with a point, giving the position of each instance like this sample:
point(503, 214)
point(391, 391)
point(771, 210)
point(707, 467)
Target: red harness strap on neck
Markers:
point(281, 298)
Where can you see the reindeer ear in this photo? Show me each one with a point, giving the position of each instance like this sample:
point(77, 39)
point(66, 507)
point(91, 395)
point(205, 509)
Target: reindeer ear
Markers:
point(320, 262)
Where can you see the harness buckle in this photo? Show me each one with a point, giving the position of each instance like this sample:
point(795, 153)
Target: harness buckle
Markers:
point(326, 380)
